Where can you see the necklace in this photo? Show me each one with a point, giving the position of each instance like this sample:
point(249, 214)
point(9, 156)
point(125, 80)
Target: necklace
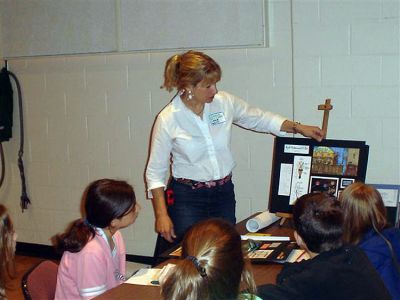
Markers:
point(200, 112)
point(193, 107)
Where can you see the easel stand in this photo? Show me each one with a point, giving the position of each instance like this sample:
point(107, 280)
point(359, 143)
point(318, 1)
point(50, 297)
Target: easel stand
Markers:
point(284, 216)
point(326, 108)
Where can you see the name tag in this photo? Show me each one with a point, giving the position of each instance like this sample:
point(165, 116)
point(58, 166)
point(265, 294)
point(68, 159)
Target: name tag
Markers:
point(217, 118)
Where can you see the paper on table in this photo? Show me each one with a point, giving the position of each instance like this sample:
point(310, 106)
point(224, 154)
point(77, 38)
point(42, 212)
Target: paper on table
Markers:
point(144, 277)
point(150, 276)
point(297, 255)
point(260, 221)
point(265, 238)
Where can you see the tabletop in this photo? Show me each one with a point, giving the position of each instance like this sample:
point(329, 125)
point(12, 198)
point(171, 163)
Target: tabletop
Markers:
point(263, 273)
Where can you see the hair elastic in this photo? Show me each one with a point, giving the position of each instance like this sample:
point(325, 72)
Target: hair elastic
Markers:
point(199, 268)
point(87, 223)
point(4, 216)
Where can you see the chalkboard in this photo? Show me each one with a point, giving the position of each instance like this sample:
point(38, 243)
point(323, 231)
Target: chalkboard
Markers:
point(171, 24)
point(302, 166)
point(48, 27)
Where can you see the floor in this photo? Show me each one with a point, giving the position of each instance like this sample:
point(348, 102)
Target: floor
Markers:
point(24, 263)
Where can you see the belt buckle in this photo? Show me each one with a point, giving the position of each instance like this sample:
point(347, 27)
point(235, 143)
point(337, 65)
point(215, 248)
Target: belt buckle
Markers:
point(210, 184)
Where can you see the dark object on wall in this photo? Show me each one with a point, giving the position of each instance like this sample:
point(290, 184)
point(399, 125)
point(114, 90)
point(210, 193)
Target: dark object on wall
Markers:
point(6, 112)
point(6, 105)
point(6, 122)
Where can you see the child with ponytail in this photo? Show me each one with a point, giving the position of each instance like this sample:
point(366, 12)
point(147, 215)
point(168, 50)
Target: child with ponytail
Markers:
point(212, 265)
point(7, 250)
point(93, 250)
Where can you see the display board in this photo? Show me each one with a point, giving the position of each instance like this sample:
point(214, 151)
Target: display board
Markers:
point(302, 166)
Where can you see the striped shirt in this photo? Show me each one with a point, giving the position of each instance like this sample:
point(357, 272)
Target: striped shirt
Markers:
point(93, 270)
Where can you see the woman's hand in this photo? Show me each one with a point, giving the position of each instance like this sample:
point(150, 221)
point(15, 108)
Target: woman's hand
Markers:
point(163, 224)
point(165, 227)
point(313, 132)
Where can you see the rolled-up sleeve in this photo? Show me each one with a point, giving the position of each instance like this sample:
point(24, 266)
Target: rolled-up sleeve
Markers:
point(256, 119)
point(160, 152)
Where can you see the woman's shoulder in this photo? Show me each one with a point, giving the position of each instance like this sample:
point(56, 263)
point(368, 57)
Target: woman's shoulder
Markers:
point(169, 110)
point(224, 96)
point(225, 100)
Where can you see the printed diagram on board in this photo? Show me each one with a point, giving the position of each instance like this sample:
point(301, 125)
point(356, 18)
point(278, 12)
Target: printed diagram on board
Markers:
point(300, 177)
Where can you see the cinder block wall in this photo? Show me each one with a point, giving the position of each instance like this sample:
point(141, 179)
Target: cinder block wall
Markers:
point(90, 116)
point(349, 51)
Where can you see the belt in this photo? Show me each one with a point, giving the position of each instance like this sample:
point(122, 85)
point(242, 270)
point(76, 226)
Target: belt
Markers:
point(204, 184)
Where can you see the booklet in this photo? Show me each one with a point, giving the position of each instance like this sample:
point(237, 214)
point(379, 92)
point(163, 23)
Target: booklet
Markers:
point(150, 276)
point(274, 251)
point(262, 248)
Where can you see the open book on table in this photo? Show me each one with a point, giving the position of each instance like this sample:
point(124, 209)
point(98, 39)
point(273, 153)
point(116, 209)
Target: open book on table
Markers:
point(274, 251)
point(264, 249)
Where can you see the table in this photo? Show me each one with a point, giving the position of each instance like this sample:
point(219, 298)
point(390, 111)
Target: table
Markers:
point(263, 273)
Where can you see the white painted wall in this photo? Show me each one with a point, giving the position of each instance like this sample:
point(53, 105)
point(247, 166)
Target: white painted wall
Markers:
point(90, 116)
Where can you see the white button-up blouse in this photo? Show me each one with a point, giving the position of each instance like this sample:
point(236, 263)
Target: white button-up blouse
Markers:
point(200, 149)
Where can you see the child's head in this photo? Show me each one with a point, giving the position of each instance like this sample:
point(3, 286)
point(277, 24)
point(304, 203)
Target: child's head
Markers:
point(7, 245)
point(318, 220)
point(107, 200)
point(108, 204)
point(363, 209)
point(212, 264)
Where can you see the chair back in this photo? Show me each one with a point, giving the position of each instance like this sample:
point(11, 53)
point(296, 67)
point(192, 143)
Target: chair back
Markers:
point(39, 283)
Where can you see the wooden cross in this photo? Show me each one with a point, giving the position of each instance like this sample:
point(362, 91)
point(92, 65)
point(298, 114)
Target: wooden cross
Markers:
point(326, 108)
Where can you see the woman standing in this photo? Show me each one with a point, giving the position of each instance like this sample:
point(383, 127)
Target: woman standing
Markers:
point(194, 132)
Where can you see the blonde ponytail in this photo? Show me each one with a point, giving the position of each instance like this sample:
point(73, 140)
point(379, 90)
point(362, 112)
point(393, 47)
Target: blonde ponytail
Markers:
point(188, 69)
point(171, 72)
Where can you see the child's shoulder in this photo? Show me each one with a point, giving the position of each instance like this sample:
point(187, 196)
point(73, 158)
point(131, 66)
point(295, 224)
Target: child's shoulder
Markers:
point(245, 296)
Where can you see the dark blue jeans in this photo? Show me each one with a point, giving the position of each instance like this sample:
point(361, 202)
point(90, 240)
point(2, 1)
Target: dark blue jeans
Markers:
point(194, 205)
point(191, 206)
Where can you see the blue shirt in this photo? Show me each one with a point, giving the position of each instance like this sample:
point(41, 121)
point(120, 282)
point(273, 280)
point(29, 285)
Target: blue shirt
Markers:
point(380, 256)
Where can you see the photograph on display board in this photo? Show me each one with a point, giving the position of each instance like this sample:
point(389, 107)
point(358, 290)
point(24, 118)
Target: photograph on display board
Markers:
point(344, 182)
point(327, 185)
point(335, 161)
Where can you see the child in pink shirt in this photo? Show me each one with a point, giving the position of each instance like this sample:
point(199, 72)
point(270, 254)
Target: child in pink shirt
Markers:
point(93, 258)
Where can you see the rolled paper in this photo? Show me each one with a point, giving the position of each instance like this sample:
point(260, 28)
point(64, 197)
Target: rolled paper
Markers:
point(261, 221)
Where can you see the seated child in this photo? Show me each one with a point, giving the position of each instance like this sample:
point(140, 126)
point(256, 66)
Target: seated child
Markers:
point(93, 258)
point(334, 271)
point(7, 250)
point(212, 265)
point(365, 225)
